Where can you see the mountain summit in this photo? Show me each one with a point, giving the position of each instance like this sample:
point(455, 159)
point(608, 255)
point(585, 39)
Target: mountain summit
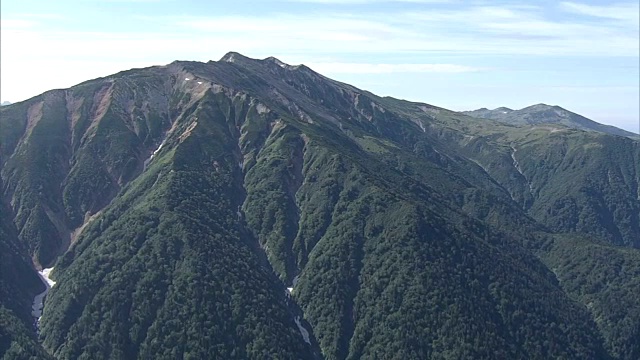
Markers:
point(250, 209)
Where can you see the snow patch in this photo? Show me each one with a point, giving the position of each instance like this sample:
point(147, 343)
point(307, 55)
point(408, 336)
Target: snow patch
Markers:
point(186, 79)
point(38, 301)
point(293, 284)
point(422, 126)
point(515, 161)
point(282, 64)
point(519, 169)
point(303, 331)
point(199, 82)
point(146, 162)
point(45, 273)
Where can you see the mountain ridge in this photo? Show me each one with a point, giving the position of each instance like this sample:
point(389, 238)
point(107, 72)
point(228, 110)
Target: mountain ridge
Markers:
point(547, 114)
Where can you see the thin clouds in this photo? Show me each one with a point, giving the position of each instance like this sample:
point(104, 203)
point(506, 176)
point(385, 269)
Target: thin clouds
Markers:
point(506, 30)
point(526, 31)
point(460, 29)
point(365, 2)
point(629, 12)
point(16, 24)
point(366, 68)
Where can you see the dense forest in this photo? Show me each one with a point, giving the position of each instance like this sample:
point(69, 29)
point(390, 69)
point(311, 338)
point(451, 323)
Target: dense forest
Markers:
point(244, 209)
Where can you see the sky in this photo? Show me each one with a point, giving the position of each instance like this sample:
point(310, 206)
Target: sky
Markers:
point(461, 55)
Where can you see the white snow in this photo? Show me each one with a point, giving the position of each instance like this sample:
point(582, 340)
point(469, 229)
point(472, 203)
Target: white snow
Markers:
point(146, 162)
point(280, 63)
point(515, 162)
point(38, 300)
point(199, 82)
point(422, 126)
point(293, 284)
point(186, 79)
point(45, 273)
point(519, 169)
point(303, 331)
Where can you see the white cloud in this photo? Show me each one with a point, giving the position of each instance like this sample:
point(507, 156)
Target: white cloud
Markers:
point(629, 12)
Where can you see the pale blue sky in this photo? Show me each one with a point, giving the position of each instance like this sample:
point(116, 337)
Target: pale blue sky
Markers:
point(461, 55)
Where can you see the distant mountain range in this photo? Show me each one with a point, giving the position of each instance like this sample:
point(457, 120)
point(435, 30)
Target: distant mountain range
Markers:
point(547, 114)
point(5, 103)
point(250, 209)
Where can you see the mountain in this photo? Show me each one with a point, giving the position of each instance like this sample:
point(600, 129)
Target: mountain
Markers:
point(5, 103)
point(253, 209)
point(547, 114)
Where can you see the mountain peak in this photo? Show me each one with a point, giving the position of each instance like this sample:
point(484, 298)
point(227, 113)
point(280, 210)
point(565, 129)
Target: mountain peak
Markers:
point(282, 64)
point(503, 110)
point(275, 61)
point(540, 107)
point(233, 56)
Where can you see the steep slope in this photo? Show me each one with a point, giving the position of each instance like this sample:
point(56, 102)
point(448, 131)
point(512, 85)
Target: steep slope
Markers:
point(547, 114)
point(68, 152)
point(18, 284)
point(169, 268)
point(567, 180)
point(570, 181)
point(607, 280)
point(194, 194)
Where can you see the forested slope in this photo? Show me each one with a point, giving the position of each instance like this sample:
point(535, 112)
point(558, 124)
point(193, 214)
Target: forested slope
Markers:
point(18, 284)
point(185, 199)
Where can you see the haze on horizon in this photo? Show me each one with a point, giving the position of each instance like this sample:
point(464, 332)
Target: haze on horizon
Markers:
point(581, 55)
